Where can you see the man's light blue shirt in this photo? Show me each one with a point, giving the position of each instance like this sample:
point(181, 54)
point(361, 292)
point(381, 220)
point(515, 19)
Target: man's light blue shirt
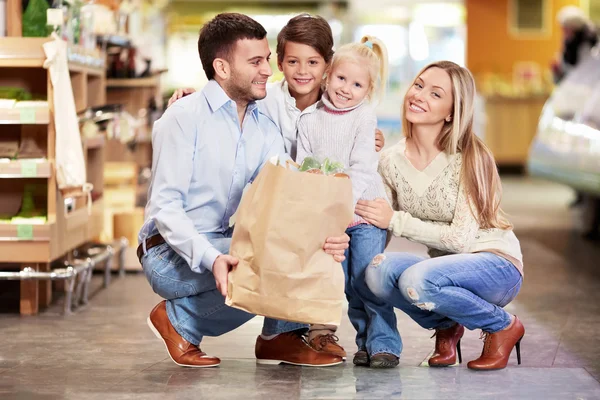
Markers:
point(201, 162)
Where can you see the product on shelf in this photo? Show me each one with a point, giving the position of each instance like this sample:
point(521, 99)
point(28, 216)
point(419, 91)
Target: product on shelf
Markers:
point(34, 19)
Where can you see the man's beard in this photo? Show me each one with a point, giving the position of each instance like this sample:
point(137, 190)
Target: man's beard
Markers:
point(240, 90)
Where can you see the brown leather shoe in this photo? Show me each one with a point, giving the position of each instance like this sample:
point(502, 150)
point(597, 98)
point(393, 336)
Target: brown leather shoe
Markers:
point(498, 346)
point(328, 343)
point(292, 348)
point(383, 360)
point(361, 358)
point(447, 344)
point(182, 352)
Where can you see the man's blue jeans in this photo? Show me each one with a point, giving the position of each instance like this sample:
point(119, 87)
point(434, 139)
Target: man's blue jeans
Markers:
point(194, 305)
point(470, 289)
point(373, 318)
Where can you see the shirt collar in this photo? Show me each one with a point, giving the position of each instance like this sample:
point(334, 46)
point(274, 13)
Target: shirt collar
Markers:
point(217, 98)
point(285, 88)
point(289, 99)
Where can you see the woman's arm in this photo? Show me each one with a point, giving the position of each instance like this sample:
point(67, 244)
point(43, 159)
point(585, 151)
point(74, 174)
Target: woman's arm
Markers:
point(455, 237)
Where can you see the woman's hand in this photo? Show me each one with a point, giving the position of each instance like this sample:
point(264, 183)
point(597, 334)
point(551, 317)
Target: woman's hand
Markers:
point(379, 140)
point(179, 93)
point(377, 212)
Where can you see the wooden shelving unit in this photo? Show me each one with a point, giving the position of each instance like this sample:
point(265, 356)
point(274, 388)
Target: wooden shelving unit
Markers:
point(25, 169)
point(152, 82)
point(25, 116)
point(37, 245)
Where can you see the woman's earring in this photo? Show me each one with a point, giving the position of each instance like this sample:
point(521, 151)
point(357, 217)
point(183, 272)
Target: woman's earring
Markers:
point(448, 119)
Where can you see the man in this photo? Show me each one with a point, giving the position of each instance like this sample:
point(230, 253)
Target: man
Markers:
point(206, 148)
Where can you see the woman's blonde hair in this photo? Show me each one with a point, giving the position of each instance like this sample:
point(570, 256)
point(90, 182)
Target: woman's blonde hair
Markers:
point(372, 53)
point(479, 173)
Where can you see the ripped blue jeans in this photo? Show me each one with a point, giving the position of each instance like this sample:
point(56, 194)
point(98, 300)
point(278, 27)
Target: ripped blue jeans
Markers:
point(470, 289)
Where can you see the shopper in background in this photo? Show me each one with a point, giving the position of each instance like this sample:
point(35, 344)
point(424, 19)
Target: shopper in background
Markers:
point(342, 128)
point(445, 190)
point(579, 36)
point(206, 149)
point(304, 51)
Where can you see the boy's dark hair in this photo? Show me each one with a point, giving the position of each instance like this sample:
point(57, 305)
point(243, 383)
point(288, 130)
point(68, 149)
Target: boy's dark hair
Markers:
point(219, 35)
point(311, 30)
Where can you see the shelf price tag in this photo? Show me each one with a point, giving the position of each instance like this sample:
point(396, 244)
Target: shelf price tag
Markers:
point(27, 115)
point(54, 17)
point(28, 169)
point(25, 232)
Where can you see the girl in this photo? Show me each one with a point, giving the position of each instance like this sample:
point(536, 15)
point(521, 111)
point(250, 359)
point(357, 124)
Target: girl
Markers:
point(445, 190)
point(343, 129)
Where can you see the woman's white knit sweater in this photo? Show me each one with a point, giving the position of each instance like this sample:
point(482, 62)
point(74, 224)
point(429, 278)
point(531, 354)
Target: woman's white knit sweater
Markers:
point(431, 207)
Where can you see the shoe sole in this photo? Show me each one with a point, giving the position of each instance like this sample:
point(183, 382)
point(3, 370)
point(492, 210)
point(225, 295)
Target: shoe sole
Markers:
point(383, 365)
point(158, 335)
point(486, 369)
point(361, 362)
point(277, 362)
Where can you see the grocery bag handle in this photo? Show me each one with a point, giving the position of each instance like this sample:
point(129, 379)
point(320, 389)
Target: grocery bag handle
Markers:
point(293, 163)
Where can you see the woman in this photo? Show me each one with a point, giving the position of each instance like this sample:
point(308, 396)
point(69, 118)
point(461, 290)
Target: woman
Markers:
point(445, 192)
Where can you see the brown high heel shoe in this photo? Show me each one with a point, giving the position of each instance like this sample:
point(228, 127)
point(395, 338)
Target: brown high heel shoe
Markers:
point(498, 346)
point(447, 345)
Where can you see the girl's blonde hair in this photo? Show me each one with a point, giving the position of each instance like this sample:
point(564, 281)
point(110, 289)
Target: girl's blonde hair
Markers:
point(372, 53)
point(479, 173)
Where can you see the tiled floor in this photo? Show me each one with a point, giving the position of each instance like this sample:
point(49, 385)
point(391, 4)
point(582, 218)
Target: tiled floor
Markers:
point(106, 351)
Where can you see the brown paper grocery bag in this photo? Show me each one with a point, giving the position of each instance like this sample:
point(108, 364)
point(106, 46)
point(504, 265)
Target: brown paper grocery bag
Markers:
point(281, 225)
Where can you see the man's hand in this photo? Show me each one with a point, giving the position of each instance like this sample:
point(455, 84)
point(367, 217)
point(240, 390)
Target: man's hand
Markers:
point(336, 246)
point(379, 138)
point(179, 93)
point(377, 212)
point(221, 267)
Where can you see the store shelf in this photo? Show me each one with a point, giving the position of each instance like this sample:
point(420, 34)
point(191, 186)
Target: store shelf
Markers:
point(95, 225)
point(93, 71)
point(114, 40)
point(22, 243)
point(133, 83)
point(22, 52)
point(35, 168)
point(24, 232)
point(28, 52)
point(22, 65)
point(25, 116)
point(76, 219)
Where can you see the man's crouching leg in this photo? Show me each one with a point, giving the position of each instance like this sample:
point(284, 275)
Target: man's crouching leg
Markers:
point(194, 308)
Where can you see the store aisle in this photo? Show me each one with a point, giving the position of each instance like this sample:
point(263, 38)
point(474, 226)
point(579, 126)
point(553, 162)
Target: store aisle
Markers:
point(107, 352)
